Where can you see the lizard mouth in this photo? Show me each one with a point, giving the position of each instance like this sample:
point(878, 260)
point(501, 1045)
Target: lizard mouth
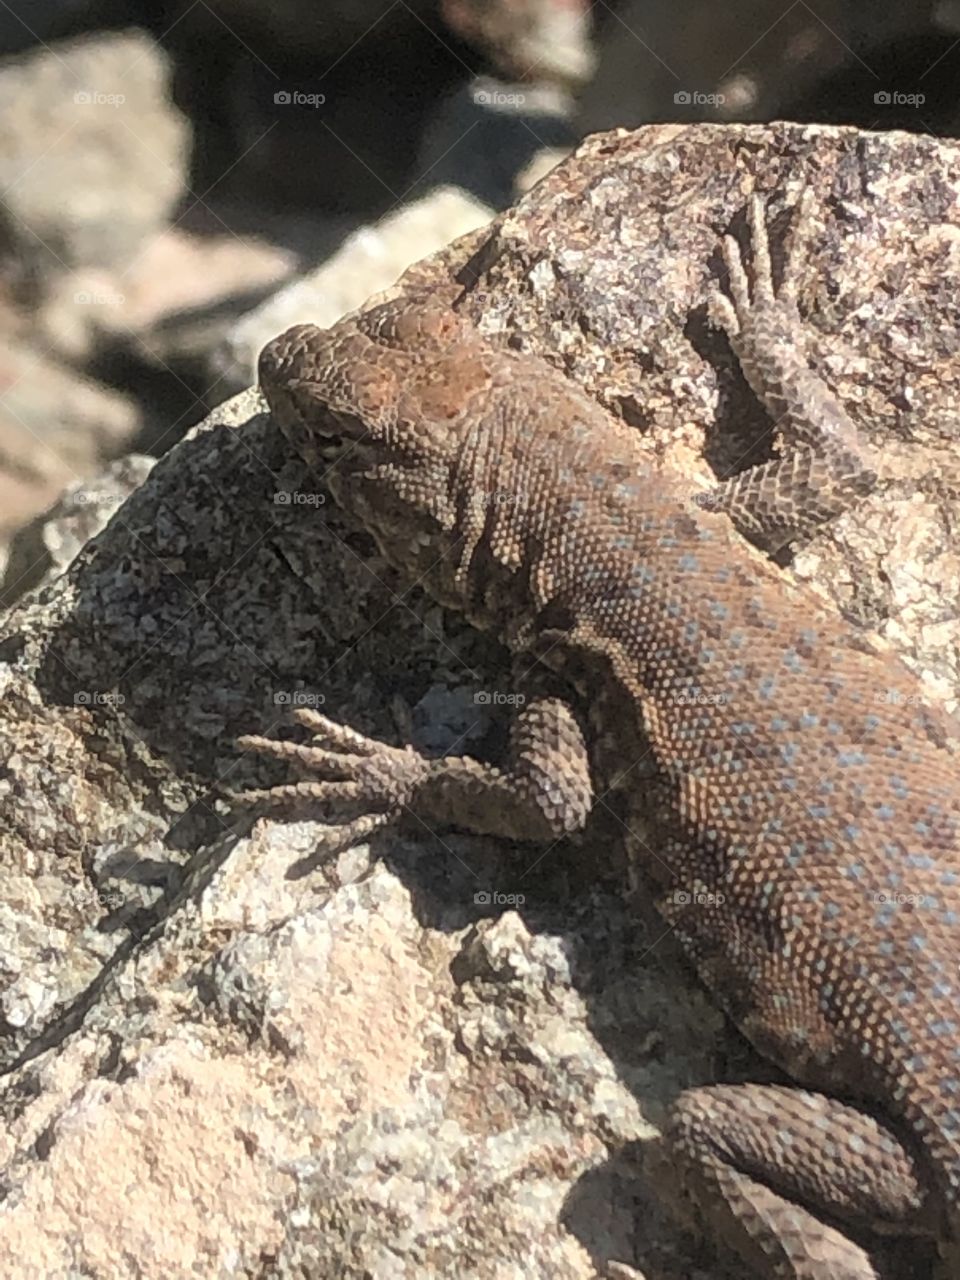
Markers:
point(324, 442)
point(317, 436)
point(317, 448)
point(328, 448)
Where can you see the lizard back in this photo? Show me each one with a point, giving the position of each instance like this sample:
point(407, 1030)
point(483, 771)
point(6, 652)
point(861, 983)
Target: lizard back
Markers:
point(808, 851)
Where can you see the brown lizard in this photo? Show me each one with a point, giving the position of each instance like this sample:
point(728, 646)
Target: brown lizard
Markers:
point(806, 848)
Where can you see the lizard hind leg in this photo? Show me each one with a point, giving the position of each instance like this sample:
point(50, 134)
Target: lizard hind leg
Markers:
point(775, 1170)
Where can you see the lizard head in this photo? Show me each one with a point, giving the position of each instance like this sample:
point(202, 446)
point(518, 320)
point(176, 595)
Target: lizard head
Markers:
point(293, 370)
point(394, 384)
point(392, 400)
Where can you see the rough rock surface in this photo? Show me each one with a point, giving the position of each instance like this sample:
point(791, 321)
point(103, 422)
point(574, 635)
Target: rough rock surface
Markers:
point(47, 545)
point(230, 1048)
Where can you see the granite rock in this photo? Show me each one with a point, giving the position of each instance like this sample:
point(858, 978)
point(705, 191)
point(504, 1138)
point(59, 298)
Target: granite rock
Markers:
point(233, 1047)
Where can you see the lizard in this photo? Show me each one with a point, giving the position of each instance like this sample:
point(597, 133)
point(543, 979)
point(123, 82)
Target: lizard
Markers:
point(805, 840)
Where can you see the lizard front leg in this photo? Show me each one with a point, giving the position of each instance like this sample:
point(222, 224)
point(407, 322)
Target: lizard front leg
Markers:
point(542, 791)
point(826, 466)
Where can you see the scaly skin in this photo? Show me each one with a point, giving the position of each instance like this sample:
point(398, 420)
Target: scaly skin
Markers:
point(806, 849)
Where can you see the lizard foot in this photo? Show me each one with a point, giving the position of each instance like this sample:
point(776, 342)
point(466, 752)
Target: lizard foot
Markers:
point(825, 466)
point(345, 767)
point(748, 307)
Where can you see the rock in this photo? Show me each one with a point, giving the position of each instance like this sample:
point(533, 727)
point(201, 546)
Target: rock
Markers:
point(439, 1056)
point(369, 261)
point(174, 302)
point(48, 544)
point(55, 428)
point(531, 40)
point(94, 156)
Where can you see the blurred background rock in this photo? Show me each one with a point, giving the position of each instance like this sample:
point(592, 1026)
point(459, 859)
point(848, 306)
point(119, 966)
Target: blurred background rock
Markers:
point(179, 181)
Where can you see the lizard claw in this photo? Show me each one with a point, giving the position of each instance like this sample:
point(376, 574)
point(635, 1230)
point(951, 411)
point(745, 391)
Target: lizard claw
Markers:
point(721, 312)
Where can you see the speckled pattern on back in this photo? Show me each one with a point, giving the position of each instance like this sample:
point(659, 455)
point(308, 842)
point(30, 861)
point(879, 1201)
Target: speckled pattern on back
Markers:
point(807, 845)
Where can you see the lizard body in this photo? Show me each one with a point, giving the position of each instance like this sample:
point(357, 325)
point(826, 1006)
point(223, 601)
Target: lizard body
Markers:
point(806, 850)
